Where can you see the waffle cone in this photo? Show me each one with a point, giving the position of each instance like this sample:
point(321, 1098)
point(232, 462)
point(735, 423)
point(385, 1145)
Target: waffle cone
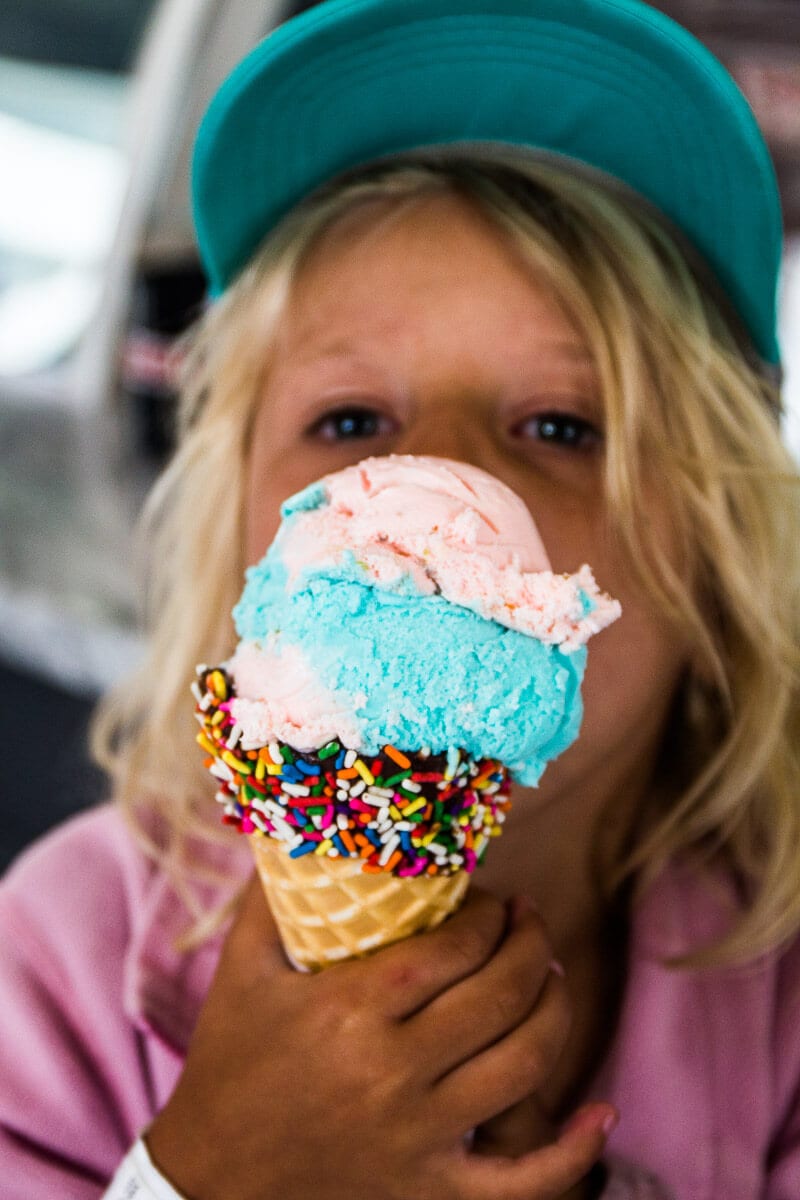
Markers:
point(328, 909)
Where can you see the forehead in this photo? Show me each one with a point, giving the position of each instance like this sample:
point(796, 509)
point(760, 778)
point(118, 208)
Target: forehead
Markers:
point(391, 261)
point(374, 225)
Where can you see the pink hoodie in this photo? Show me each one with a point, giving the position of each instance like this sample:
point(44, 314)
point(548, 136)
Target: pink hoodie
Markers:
point(96, 1009)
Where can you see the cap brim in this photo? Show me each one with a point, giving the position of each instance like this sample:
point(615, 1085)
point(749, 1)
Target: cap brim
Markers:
point(610, 83)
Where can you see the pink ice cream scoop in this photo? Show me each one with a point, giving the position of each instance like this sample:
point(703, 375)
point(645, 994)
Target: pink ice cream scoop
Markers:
point(449, 529)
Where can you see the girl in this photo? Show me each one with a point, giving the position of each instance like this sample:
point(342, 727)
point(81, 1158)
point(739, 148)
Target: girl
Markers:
point(543, 239)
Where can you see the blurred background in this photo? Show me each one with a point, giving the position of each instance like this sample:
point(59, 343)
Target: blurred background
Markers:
point(99, 103)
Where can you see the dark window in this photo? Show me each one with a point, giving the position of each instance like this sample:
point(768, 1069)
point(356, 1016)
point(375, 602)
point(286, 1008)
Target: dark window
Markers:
point(101, 34)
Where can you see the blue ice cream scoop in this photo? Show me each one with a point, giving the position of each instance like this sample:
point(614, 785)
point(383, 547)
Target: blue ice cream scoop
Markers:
point(395, 632)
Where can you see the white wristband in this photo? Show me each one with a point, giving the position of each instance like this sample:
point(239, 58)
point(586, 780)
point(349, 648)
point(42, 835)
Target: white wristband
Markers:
point(138, 1179)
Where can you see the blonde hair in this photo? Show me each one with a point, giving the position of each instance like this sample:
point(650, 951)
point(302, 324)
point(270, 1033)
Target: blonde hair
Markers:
point(684, 406)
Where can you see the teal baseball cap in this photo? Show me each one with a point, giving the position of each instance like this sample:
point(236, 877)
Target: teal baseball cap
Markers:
point(614, 86)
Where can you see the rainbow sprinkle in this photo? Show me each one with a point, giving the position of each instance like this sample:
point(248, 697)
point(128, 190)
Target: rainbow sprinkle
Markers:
point(401, 812)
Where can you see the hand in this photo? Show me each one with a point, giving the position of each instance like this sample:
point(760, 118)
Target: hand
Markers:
point(365, 1079)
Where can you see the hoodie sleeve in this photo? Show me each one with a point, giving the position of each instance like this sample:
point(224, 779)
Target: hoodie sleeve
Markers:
point(783, 1158)
point(74, 1085)
point(628, 1182)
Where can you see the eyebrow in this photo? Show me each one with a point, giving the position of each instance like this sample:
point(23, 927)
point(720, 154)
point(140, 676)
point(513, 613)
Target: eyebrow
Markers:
point(343, 348)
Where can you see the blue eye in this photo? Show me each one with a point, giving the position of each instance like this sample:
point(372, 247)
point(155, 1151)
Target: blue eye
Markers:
point(564, 430)
point(349, 424)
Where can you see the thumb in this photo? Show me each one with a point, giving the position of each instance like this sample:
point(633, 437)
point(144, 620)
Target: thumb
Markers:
point(515, 1132)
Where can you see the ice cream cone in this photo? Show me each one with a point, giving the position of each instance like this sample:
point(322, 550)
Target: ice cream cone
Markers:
point(351, 856)
point(328, 910)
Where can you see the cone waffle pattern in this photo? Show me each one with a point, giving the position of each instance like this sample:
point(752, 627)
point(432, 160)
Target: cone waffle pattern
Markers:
point(327, 910)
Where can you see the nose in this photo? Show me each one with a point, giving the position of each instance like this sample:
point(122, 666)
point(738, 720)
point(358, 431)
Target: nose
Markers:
point(451, 430)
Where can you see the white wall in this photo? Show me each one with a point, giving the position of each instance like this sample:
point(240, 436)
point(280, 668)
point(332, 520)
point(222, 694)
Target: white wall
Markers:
point(790, 343)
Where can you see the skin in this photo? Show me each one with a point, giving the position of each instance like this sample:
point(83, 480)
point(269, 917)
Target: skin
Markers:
point(417, 330)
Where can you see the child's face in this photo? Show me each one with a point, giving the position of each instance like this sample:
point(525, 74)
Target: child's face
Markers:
point(420, 332)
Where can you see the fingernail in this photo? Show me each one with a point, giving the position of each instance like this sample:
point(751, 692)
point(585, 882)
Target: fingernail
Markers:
point(610, 1123)
point(586, 1119)
point(556, 967)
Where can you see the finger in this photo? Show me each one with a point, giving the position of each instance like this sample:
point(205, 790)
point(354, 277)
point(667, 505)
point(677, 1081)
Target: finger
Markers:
point(544, 1174)
point(485, 1006)
point(410, 974)
point(512, 1068)
point(253, 941)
